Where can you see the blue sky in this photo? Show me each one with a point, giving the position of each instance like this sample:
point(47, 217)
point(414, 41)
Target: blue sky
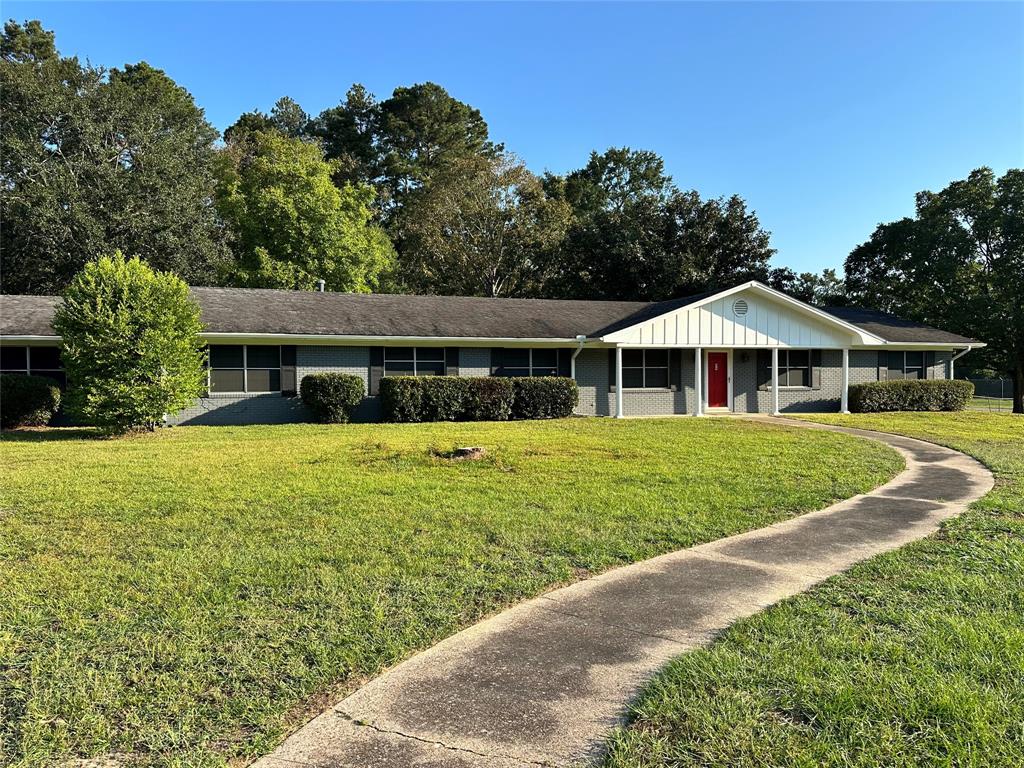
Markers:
point(825, 117)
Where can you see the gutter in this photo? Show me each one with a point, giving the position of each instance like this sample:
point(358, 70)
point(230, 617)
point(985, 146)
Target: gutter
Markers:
point(581, 340)
point(956, 357)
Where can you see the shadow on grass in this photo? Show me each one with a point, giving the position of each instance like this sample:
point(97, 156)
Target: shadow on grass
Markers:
point(51, 434)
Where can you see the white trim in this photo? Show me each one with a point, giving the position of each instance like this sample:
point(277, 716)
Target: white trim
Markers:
point(422, 341)
point(619, 413)
point(698, 382)
point(859, 333)
point(707, 383)
point(844, 397)
point(775, 381)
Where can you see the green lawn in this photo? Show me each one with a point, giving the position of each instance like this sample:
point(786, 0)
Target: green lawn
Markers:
point(912, 658)
point(186, 597)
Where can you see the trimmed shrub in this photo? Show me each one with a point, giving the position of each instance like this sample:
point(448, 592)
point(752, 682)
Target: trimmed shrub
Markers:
point(444, 397)
point(401, 398)
point(544, 397)
point(489, 398)
point(476, 398)
point(911, 395)
point(331, 397)
point(27, 401)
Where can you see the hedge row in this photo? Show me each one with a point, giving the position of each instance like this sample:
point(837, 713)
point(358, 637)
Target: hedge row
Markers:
point(27, 401)
point(331, 397)
point(911, 395)
point(476, 398)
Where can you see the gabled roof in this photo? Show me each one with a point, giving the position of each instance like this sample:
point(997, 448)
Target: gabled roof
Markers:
point(307, 313)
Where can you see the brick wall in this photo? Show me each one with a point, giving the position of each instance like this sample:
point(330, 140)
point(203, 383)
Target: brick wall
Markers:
point(596, 398)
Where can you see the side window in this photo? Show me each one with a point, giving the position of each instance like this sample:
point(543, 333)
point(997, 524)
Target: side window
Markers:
point(414, 361)
point(645, 368)
point(518, 362)
point(39, 361)
point(245, 368)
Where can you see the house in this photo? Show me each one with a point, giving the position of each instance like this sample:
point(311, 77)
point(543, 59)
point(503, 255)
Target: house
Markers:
point(716, 352)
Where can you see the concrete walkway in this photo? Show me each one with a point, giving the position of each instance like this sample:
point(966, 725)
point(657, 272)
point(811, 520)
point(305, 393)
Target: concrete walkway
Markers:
point(544, 682)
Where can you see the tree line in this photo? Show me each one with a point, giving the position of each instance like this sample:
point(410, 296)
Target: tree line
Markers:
point(410, 194)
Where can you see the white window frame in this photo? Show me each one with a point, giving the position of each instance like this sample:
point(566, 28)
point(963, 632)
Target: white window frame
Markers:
point(643, 368)
point(416, 361)
point(531, 367)
point(245, 372)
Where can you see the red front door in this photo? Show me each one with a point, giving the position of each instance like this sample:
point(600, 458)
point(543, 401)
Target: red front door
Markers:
point(718, 379)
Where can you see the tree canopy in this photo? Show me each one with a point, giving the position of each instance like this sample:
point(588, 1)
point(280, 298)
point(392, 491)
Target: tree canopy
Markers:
point(958, 264)
point(291, 225)
point(94, 160)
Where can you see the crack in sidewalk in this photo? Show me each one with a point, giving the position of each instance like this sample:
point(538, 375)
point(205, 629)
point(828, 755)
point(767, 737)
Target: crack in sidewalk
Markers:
point(436, 743)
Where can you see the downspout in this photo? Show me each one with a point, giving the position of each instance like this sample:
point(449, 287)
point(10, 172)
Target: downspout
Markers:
point(954, 358)
point(580, 340)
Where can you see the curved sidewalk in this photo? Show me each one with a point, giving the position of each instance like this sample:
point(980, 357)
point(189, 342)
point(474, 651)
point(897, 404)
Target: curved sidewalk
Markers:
point(545, 681)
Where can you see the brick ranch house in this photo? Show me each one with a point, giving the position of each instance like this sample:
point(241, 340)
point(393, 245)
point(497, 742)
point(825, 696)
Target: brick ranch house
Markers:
point(716, 352)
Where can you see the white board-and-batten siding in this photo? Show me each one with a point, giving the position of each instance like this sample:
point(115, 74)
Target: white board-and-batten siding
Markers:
point(766, 323)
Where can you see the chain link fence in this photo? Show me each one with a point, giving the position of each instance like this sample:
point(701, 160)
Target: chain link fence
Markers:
point(992, 395)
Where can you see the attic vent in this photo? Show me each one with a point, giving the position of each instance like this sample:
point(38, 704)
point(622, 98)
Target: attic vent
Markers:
point(739, 307)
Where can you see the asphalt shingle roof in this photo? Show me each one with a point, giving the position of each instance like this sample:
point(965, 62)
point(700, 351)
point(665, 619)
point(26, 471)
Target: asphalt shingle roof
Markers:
point(243, 310)
point(892, 328)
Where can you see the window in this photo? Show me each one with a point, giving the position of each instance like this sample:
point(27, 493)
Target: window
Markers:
point(794, 368)
point(414, 361)
point(245, 368)
point(907, 365)
point(38, 361)
point(530, 362)
point(645, 368)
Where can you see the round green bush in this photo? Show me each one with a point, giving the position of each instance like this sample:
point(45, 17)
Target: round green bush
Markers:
point(27, 401)
point(331, 397)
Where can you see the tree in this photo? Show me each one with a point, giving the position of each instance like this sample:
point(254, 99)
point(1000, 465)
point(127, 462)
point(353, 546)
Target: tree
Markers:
point(824, 290)
point(349, 135)
point(957, 264)
point(131, 344)
point(635, 235)
point(286, 117)
point(92, 161)
point(291, 224)
point(482, 227)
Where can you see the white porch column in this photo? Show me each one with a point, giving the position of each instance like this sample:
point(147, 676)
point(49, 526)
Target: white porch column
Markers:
point(845, 398)
point(775, 381)
point(698, 382)
point(618, 383)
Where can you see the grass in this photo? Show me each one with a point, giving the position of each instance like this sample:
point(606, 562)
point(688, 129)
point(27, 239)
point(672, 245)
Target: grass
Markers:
point(912, 658)
point(991, 404)
point(184, 598)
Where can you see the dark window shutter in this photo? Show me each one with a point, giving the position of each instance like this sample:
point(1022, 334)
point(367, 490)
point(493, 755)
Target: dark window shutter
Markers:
point(815, 369)
point(611, 370)
point(289, 380)
point(675, 369)
point(565, 362)
point(764, 368)
point(497, 361)
point(929, 365)
point(883, 367)
point(451, 361)
point(376, 369)
point(895, 365)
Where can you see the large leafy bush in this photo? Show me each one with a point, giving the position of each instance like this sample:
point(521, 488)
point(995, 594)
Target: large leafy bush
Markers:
point(911, 395)
point(132, 349)
point(27, 401)
point(331, 397)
